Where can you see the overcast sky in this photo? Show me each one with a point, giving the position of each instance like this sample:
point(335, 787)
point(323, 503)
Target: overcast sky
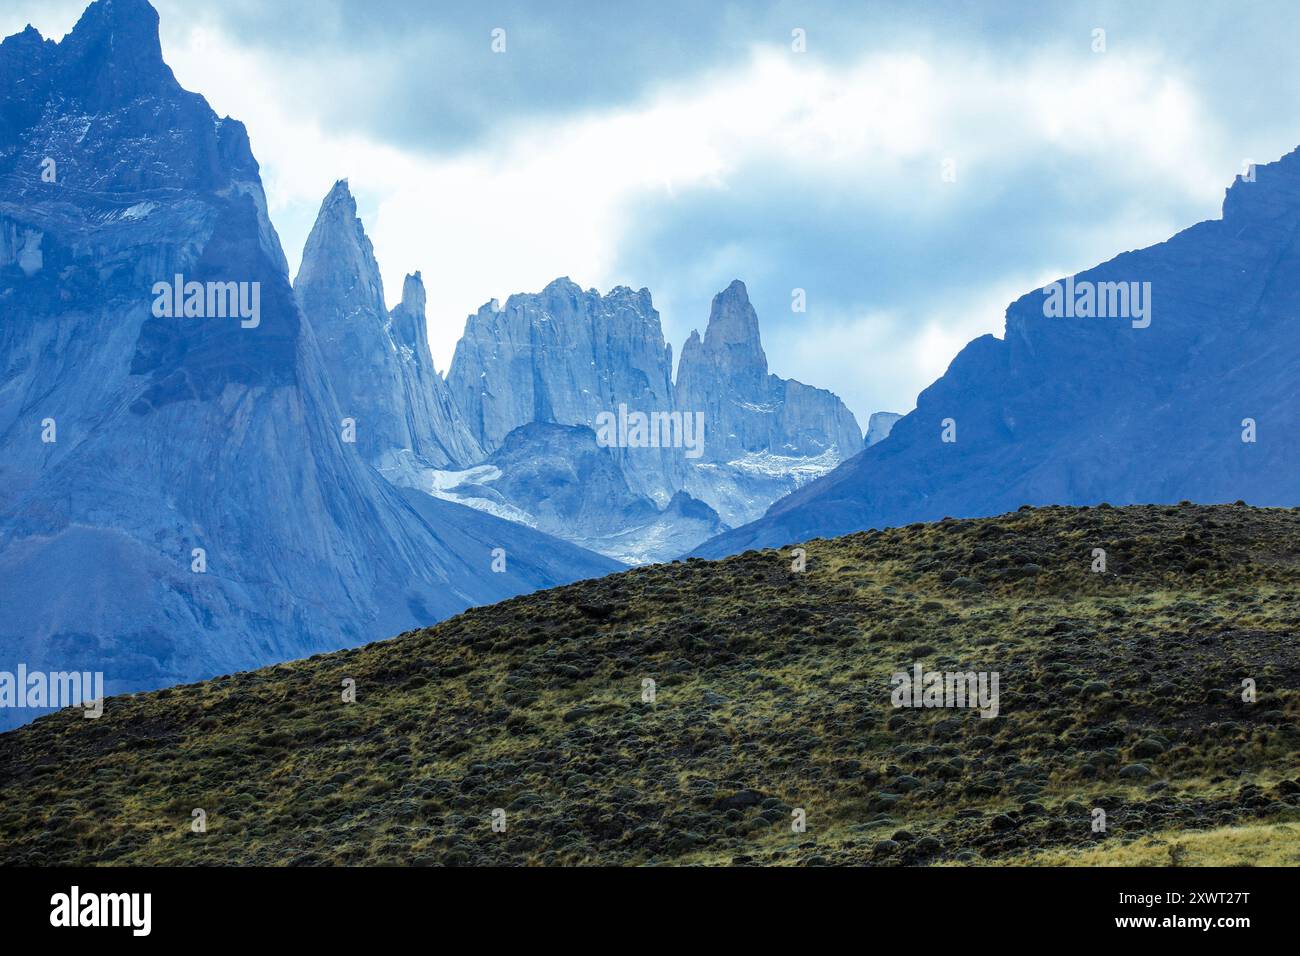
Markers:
point(680, 145)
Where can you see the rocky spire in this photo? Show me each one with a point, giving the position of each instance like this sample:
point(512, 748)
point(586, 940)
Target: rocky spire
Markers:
point(410, 326)
point(338, 262)
point(747, 410)
point(732, 345)
point(378, 364)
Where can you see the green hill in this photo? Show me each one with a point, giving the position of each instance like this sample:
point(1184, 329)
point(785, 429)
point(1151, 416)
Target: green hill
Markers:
point(1120, 691)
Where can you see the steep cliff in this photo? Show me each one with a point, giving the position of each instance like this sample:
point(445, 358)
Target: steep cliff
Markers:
point(379, 365)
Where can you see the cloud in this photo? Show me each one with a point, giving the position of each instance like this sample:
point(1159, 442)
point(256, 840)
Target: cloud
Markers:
point(683, 149)
point(547, 199)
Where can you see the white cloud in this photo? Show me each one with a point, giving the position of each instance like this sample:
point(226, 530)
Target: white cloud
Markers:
point(548, 199)
point(54, 18)
point(881, 360)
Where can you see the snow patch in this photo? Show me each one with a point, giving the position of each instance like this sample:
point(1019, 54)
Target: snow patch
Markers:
point(801, 468)
point(140, 210)
point(446, 481)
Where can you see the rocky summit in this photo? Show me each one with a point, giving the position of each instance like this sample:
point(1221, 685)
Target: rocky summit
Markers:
point(751, 411)
point(879, 427)
point(1135, 698)
point(378, 363)
point(534, 412)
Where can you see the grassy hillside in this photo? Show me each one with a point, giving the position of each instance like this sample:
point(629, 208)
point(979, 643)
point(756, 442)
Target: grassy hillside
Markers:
point(1118, 690)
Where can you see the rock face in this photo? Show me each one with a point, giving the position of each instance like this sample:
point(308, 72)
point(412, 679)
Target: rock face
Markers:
point(764, 435)
point(379, 365)
point(747, 409)
point(1199, 404)
point(879, 427)
point(565, 356)
point(176, 500)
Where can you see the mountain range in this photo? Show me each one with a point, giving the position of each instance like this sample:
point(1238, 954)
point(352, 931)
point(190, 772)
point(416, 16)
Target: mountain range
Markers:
point(178, 495)
point(207, 467)
point(566, 356)
point(514, 429)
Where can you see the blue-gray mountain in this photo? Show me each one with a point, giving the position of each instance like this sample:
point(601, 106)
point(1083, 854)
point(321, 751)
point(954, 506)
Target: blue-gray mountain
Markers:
point(1091, 410)
point(566, 356)
point(563, 356)
point(550, 477)
point(378, 363)
point(765, 435)
point(514, 430)
point(879, 426)
point(135, 449)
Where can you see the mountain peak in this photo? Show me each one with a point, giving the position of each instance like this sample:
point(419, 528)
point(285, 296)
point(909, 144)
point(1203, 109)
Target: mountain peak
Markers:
point(120, 19)
point(736, 290)
point(1267, 191)
point(28, 34)
point(413, 297)
point(338, 214)
point(114, 48)
point(563, 286)
point(733, 328)
point(23, 44)
point(338, 261)
point(340, 197)
point(111, 59)
point(409, 324)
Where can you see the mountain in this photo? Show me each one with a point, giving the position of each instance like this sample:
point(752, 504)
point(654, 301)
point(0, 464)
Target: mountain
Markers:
point(564, 356)
point(177, 499)
point(772, 703)
point(625, 503)
point(1185, 392)
point(378, 364)
point(750, 410)
point(764, 435)
point(879, 427)
point(568, 357)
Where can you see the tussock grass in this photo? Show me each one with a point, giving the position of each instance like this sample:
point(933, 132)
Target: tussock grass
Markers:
point(772, 695)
